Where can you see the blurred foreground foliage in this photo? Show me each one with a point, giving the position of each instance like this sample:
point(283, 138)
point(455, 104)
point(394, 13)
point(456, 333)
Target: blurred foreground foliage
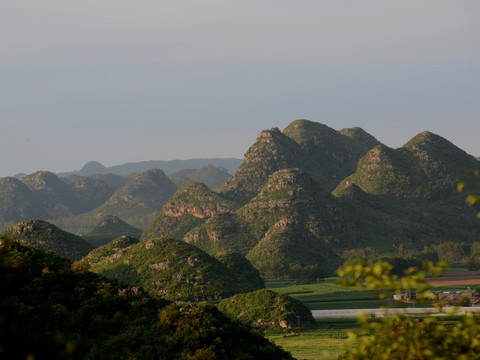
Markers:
point(401, 337)
point(471, 186)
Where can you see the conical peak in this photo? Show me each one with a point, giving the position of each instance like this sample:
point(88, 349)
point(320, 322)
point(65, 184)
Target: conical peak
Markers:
point(42, 180)
point(356, 133)
point(304, 130)
point(193, 187)
point(92, 167)
point(9, 180)
point(269, 134)
point(426, 138)
point(294, 181)
point(41, 175)
point(153, 173)
point(29, 226)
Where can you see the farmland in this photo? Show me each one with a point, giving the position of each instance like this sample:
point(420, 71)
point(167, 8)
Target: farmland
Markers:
point(329, 337)
point(326, 295)
point(326, 340)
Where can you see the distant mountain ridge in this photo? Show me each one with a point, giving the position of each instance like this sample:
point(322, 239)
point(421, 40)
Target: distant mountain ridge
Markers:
point(168, 166)
point(42, 195)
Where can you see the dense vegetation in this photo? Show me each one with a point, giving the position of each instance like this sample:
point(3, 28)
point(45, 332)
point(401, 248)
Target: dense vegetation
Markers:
point(267, 309)
point(173, 269)
point(50, 309)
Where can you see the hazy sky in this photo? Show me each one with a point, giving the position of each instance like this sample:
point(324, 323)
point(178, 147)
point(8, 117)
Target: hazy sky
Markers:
point(119, 81)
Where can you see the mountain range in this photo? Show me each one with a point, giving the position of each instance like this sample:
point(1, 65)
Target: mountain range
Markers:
point(168, 166)
point(298, 201)
point(78, 203)
point(304, 195)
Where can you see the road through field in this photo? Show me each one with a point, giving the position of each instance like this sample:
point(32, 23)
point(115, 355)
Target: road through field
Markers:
point(354, 313)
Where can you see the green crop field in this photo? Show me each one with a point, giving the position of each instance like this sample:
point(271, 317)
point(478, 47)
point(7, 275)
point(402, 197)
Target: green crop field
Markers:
point(327, 295)
point(326, 340)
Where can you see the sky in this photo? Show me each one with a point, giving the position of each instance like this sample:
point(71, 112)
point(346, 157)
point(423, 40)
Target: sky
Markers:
point(119, 81)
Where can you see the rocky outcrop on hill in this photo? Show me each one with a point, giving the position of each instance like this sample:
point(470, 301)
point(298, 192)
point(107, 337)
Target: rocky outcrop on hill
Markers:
point(190, 206)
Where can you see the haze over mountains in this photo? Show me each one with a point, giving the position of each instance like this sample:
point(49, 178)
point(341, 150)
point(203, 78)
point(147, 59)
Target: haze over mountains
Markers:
point(168, 166)
point(301, 197)
point(44, 195)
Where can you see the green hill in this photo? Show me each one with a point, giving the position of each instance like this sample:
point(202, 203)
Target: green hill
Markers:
point(285, 231)
point(18, 202)
point(111, 248)
point(240, 266)
point(181, 177)
point(413, 187)
point(137, 202)
point(190, 206)
point(110, 228)
point(272, 151)
point(51, 310)
point(427, 167)
point(172, 269)
point(114, 181)
point(56, 196)
point(324, 153)
point(330, 155)
point(267, 309)
point(42, 195)
point(291, 228)
point(47, 237)
point(91, 192)
point(212, 176)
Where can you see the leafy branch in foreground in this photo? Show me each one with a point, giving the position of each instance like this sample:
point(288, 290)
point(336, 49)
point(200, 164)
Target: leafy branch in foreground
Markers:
point(471, 198)
point(377, 277)
point(408, 338)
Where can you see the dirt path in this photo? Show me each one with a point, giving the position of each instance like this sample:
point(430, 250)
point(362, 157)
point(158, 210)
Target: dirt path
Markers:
point(456, 278)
